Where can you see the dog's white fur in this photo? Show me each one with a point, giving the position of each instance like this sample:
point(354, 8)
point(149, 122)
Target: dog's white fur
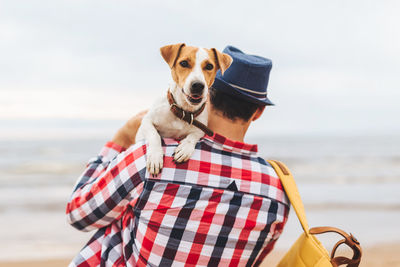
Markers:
point(161, 121)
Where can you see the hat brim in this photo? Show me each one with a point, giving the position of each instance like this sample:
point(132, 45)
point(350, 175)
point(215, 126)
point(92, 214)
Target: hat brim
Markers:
point(225, 87)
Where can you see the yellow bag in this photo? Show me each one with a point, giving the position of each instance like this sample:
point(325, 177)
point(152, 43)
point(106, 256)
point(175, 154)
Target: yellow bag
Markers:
point(308, 250)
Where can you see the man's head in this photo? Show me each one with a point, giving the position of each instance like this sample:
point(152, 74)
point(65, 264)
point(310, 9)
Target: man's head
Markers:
point(240, 94)
point(234, 108)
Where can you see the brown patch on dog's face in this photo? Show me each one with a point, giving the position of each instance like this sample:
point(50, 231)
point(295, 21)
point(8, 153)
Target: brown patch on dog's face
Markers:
point(222, 60)
point(219, 61)
point(210, 68)
point(185, 63)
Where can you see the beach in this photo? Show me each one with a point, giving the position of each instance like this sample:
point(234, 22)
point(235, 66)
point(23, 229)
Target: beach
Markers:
point(74, 72)
point(349, 184)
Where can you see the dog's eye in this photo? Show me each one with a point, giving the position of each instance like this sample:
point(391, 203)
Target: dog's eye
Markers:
point(184, 63)
point(209, 66)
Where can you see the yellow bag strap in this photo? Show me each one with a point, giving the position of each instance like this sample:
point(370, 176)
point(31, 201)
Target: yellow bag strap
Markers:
point(292, 192)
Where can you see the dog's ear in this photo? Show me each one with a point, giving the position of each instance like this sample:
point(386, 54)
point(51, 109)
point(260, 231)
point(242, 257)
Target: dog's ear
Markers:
point(170, 53)
point(223, 60)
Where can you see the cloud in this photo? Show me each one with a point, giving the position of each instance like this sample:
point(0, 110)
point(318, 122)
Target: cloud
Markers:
point(332, 59)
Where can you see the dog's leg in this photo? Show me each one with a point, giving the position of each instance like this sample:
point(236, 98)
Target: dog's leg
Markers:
point(154, 152)
point(186, 147)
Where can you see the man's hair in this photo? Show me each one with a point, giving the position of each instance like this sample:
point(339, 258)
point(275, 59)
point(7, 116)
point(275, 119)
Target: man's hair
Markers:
point(232, 107)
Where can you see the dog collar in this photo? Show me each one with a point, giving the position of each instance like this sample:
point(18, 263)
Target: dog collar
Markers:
point(187, 116)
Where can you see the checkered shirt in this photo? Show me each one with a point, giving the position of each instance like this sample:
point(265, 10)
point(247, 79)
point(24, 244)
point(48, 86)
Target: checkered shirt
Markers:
point(224, 207)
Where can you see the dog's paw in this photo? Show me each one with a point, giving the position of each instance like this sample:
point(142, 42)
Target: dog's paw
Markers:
point(183, 152)
point(154, 162)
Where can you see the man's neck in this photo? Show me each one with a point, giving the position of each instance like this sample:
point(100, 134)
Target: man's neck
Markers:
point(234, 130)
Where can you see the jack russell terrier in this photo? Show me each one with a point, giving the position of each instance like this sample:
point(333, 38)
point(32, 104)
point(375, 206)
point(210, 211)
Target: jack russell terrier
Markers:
point(181, 114)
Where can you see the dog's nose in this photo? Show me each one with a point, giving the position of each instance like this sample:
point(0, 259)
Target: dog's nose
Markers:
point(197, 88)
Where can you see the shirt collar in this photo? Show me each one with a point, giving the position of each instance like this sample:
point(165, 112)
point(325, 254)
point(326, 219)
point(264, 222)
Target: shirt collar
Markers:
point(231, 145)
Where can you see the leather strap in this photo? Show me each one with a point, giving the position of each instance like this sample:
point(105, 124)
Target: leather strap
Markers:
point(349, 240)
point(343, 260)
point(187, 116)
point(292, 192)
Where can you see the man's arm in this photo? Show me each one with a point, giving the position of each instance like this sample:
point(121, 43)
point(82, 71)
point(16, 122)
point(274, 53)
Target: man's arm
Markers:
point(125, 136)
point(110, 182)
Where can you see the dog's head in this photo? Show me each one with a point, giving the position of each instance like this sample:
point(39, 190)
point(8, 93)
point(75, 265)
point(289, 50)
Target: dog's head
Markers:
point(193, 69)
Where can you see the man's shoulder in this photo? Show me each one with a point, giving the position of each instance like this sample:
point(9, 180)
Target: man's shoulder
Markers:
point(136, 150)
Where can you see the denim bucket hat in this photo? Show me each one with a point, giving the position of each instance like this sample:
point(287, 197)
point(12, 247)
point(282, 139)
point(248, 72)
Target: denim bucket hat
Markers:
point(246, 78)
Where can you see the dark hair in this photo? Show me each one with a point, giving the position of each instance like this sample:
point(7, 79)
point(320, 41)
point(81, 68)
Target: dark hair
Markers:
point(232, 107)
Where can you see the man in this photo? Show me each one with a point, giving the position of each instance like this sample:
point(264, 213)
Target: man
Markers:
point(224, 207)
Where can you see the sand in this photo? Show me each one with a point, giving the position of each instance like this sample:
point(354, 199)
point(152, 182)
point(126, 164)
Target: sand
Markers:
point(387, 255)
point(37, 263)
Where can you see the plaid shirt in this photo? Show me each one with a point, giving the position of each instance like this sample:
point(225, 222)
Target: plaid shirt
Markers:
point(224, 207)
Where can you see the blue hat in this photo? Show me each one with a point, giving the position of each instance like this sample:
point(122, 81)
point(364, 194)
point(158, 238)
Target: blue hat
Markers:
point(246, 78)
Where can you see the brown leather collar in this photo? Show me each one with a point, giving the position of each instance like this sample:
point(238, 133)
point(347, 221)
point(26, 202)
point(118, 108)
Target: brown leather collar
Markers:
point(187, 116)
point(172, 102)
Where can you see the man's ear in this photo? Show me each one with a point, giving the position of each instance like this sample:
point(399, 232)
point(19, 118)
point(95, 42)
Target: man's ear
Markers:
point(170, 53)
point(258, 113)
point(223, 60)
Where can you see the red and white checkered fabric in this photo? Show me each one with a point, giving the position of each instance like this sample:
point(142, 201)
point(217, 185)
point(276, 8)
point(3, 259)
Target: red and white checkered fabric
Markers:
point(224, 207)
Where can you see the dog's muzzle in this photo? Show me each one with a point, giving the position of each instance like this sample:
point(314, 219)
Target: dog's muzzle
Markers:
point(197, 88)
point(194, 98)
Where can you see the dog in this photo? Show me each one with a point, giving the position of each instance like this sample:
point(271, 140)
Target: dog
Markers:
point(193, 71)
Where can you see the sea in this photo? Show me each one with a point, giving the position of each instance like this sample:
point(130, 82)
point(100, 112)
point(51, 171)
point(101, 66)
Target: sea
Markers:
point(348, 182)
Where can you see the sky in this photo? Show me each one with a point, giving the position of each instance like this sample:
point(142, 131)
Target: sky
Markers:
point(335, 63)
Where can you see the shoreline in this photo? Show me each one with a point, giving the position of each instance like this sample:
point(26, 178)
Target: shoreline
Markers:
point(384, 255)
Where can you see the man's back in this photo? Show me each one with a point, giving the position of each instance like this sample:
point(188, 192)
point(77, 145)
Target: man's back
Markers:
point(225, 206)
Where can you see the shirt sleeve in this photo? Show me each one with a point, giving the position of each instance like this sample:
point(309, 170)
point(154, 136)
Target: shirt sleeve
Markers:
point(111, 182)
